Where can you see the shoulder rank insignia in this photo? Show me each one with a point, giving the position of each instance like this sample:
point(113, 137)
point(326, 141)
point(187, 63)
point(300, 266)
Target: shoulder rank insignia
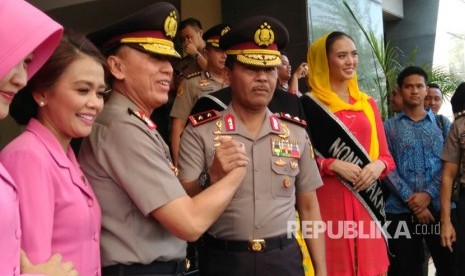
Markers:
point(295, 120)
point(143, 117)
point(203, 117)
point(195, 74)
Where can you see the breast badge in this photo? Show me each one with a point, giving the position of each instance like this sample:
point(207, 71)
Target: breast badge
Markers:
point(285, 148)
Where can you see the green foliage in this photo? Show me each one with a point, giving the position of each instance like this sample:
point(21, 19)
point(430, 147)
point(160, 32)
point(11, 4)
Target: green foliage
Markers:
point(385, 59)
point(386, 56)
point(447, 82)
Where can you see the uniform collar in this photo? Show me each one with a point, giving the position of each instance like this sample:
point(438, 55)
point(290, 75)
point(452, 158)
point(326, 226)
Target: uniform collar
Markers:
point(233, 125)
point(64, 160)
point(121, 100)
point(51, 143)
point(429, 115)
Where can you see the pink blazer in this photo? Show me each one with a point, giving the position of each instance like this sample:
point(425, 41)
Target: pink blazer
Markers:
point(59, 211)
point(10, 231)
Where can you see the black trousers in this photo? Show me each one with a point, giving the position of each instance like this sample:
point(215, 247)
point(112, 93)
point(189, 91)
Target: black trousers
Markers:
point(283, 262)
point(407, 247)
point(459, 247)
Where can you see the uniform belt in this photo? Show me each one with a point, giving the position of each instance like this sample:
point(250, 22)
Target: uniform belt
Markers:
point(171, 267)
point(256, 245)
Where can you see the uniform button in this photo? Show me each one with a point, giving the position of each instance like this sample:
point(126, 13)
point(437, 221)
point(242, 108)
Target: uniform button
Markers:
point(90, 202)
point(18, 233)
point(257, 197)
point(96, 237)
point(258, 226)
point(255, 170)
point(16, 270)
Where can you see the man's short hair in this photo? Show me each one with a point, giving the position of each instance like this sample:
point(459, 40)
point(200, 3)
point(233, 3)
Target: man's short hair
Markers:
point(411, 70)
point(433, 85)
point(190, 22)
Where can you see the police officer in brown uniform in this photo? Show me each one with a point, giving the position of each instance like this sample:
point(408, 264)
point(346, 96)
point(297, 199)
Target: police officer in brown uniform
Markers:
point(146, 214)
point(453, 155)
point(252, 236)
point(193, 45)
point(198, 84)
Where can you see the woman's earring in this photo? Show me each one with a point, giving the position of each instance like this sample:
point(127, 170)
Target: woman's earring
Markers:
point(41, 103)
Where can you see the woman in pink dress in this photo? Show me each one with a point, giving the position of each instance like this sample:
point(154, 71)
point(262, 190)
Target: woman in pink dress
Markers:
point(28, 39)
point(354, 245)
point(58, 209)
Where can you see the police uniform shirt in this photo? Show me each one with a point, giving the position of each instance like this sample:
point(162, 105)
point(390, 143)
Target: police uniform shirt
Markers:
point(281, 102)
point(265, 202)
point(454, 148)
point(128, 166)
point(190, 90)
point(187, 66)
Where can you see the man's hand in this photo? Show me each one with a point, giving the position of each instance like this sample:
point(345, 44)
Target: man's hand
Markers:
point(189, 47)
point(368, 175)
point(448, 235)
point(301, 71)
point(425, 217)
point(53, 267)
point(417, 202)
point(229, 154)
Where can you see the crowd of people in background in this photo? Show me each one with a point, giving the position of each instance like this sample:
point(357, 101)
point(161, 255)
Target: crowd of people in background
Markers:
point(246, 154)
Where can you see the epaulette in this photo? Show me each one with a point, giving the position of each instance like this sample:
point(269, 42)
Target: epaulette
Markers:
point(143, 117)
point(203, 117)
point(459, 114)
point(296, 120)
point(195, 74)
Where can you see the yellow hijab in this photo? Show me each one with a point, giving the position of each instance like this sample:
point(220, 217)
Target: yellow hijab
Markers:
point(321, 89)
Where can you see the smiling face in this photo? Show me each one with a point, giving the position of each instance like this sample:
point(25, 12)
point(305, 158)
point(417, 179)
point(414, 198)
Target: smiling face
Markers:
point(433, 99)
point(11, 83)
point(252, 86)
point(74, 101)
point(342, 60)
point(145, 79)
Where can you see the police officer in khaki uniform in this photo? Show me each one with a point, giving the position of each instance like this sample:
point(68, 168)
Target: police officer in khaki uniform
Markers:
point(252, 236)
point(198, 84)
point(193, 45)
point(453, 155)
point(146, 213)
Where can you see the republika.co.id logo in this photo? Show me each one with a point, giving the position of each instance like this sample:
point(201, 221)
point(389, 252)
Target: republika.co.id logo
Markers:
point(359, 229)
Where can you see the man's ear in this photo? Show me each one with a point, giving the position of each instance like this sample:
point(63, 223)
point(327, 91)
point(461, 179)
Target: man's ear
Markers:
point(116, 67)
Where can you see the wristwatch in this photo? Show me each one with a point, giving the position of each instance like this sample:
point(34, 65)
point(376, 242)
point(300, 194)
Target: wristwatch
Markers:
point(204, 180)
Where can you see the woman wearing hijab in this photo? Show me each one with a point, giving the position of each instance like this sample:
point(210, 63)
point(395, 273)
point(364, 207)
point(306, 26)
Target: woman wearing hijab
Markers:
point(24, 50)
point(348, 136)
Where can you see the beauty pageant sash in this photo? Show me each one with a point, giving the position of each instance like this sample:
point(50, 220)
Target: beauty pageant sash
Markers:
point(331, 139)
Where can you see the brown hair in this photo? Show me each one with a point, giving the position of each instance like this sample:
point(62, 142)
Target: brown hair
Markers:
point(71, 47)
